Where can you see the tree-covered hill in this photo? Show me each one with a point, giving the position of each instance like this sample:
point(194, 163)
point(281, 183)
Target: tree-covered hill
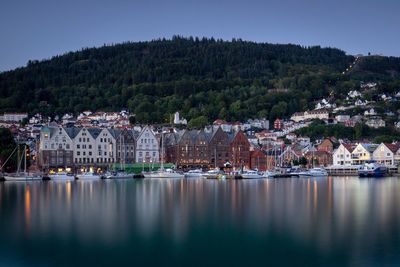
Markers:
point(199, 77)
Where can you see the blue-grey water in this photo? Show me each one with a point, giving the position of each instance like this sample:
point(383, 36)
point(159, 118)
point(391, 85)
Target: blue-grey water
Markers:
point(197, 222)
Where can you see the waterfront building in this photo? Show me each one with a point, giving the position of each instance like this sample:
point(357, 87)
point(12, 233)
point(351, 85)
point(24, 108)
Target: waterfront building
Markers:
point(147, 147)
point(326, 146)
point(362, 152)
point(126, 143)
point(219, 148)
point(240, 150)
point(385, 153)
point(342, 155)
point(56, 148)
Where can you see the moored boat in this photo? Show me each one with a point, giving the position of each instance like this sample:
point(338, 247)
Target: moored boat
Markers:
point(372, 169)
point(163, 173)
point(22, 176)
point(269, 174)
point(194, 173)
point(213, 174)
point(314, 172)
point(61, 176)
point(118, 175)
point(251, 174)
point(88, 176)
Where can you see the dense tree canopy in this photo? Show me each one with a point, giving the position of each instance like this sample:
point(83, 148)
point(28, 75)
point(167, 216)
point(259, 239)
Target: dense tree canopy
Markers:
point(232, 80)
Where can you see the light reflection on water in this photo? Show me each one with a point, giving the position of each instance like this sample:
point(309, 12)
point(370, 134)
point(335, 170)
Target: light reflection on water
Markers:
point(346, 221)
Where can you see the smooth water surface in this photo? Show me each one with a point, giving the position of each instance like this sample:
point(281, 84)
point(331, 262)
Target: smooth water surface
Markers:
point(198, 222)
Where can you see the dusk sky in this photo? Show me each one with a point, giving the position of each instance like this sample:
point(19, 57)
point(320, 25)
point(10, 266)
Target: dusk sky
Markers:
point(44, 28)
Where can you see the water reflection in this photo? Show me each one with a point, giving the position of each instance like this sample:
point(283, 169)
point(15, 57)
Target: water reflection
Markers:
point(353, 218)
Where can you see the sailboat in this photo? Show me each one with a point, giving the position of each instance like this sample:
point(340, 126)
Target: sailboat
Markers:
point(21, 176)
point(163, 173)
point(121, 173)
point(314, 171)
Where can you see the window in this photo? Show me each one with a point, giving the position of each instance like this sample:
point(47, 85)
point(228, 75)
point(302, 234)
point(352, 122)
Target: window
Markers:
point(90, 153)
point(80, 139)
point(60, 146)
point(90, 146)
point(84, 153)
point(78, 146)
point(67, 146)
point(99, 153)
point(101, 139)
point(87, 139)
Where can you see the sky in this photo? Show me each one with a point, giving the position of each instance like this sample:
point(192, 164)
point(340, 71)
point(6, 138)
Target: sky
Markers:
point(40, 29)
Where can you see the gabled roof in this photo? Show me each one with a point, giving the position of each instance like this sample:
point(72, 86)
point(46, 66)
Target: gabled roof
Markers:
point(94, 132)
point(115, 132)
point(72, 131)
point(370, 147)
point(392, 147)
point(349, 147)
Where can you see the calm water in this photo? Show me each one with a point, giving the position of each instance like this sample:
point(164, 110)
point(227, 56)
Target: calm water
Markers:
point(281, 222)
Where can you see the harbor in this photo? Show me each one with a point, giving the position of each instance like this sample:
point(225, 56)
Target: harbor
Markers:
point(120, 222)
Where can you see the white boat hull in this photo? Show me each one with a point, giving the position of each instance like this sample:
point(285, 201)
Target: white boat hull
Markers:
point(163, 175)
point(251, 176)
point(22, 178)
point(194, 175)
point(88, 177)
point(61, 177)
point(122, 176)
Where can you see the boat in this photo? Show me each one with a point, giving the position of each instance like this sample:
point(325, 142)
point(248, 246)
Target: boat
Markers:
point(121, 173)
point(214, 173)
point(251, 174)
point(163, 173)
point(20, 176)
point(269, 174)
point(314, 172)
point(118, 175)
point(87, 176)
point(194, 173)
point(372, 169)
point(62, 176)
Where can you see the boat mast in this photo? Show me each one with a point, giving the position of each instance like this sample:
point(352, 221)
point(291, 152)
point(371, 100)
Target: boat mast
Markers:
point(162, 150)
point(24, 158)
point(215, 158)
point(18, 161)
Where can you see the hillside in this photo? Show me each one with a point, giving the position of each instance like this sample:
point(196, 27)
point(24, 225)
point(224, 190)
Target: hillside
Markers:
point(213, 78)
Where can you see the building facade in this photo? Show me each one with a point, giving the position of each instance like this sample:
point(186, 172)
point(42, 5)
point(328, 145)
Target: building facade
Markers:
point(147, 147)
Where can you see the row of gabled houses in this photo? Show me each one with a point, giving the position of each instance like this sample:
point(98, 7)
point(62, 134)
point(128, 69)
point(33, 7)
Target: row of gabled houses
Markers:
point(74, 147)
point(62, 147)
point(356, 154)
point(208, 149)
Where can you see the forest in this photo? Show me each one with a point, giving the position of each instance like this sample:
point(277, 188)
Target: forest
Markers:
point(203, 78)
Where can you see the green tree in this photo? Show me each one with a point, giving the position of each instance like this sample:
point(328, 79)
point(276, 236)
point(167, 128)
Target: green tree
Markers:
point(198, 123)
